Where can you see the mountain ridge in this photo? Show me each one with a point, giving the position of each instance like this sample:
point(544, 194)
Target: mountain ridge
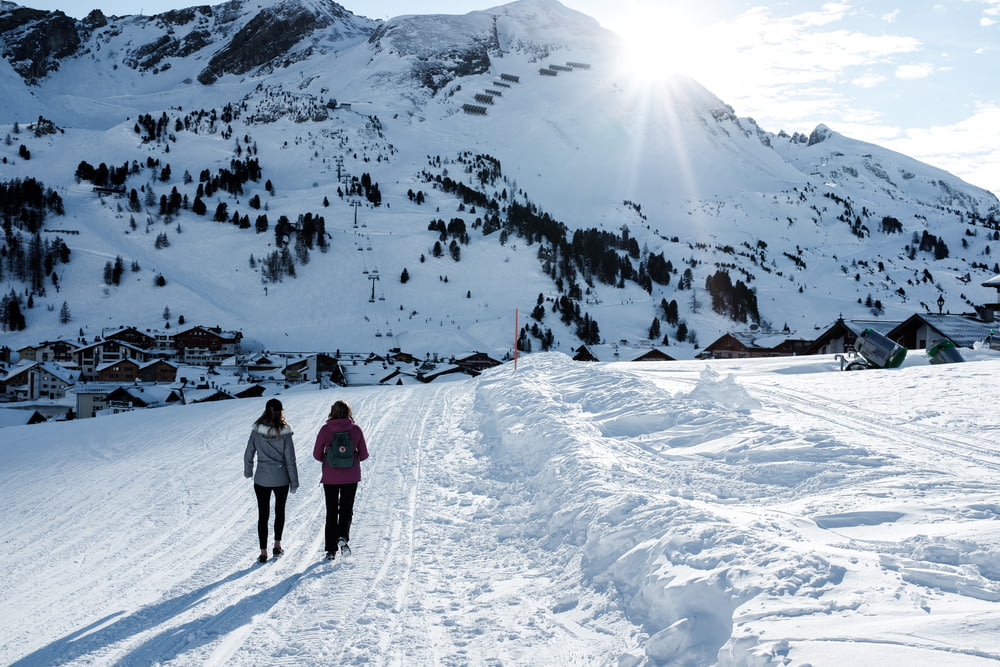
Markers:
point(668, 173)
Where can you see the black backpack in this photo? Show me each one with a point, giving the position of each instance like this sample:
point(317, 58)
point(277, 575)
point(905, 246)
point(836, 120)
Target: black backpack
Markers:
point(340, 453)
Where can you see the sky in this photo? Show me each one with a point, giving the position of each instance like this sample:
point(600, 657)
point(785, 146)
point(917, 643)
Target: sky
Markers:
point(917, 77)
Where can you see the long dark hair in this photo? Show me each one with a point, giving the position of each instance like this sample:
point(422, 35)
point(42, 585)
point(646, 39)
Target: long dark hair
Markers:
point(340, 410)
point(273, 417)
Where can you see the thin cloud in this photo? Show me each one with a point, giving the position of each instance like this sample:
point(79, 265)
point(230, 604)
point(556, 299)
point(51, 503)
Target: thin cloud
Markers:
point(869, 80)
point(915, 71)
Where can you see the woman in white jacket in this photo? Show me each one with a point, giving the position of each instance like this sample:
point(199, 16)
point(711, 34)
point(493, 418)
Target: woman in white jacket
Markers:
point(271, 442)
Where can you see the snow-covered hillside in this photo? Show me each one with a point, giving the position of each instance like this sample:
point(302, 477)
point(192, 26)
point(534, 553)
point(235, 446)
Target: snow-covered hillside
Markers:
point(755, 512)
point(664, 171)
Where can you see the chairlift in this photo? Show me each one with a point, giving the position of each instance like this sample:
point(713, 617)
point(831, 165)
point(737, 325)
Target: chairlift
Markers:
point(378, 334)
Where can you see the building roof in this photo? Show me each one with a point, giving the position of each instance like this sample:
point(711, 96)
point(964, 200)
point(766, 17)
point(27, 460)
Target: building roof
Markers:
point(60, 372)
point(961, 330)
point(17, 417)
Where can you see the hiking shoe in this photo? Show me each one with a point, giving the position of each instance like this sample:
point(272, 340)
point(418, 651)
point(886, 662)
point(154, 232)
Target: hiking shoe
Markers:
point(262, 558)
point(330, 555)
point(278, 551)
point(344, 548)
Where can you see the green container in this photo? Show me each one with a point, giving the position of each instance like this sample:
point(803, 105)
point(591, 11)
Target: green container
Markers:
point(880, 351)
point(944, 352)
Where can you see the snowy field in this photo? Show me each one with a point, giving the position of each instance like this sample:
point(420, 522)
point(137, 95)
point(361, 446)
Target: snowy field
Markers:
point(763, 512)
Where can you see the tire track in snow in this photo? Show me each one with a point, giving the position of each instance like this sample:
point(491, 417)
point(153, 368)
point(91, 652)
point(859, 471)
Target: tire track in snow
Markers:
point(816, 406)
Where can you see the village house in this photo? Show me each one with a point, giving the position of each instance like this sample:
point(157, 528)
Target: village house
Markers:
point(60, 351)
point(315, 367)
point(841, 337)
point(92, 398)
point(923, 330)
point(133, 337)
point(98, 355)
point(143, 396)
point(206, 345)
point(32, 380)
point(654, 355)
point(475, 363)
point(17, 417)
point(741, 345)
point(989, 312)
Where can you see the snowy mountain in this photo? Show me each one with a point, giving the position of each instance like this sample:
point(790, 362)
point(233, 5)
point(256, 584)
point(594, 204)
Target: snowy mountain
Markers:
point(276, 166)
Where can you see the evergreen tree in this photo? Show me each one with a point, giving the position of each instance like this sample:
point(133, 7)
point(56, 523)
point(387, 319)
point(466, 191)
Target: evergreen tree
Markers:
point(654, 329)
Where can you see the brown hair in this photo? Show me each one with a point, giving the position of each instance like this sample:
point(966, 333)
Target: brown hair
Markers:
point(340, 410)
point(273, 417)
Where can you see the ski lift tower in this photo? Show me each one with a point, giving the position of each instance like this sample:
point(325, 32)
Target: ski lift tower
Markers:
point(356, 204)
point(373, 277)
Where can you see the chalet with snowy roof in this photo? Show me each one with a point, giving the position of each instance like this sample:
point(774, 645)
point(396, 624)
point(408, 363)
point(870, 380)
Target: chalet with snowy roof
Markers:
point(925, 329)
point(134, 337)
point(60, 351)
point(841, 337)
point(654, 355)
point(15, 417)
point(735, 345)
point(250, 391)
point(129, 370)
point(438, 371)
point(143, 396)
point(313, 368)
point(990, 312)
point(398, 356)
point(29, 381)
point(123, 370)
point(210, 395)
point(206, 344)
point(98, 355)
point(92, 398)
point(583, 353)
point(158, 370)
point(476, 363)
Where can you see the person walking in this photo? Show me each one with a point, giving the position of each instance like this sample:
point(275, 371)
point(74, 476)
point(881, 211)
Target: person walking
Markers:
point(340, 446)
point(271, 442)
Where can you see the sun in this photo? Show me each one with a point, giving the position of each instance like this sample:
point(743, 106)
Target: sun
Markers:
point(658, 41)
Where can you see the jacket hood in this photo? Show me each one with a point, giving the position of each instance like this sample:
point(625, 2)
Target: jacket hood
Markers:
point(265, 431)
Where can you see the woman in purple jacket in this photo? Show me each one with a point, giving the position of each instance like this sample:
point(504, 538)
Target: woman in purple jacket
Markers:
point(340, 484)
point(271, 443)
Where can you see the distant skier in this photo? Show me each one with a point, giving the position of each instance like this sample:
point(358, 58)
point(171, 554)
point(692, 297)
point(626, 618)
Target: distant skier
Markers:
point(271, 441)
point(340, 435)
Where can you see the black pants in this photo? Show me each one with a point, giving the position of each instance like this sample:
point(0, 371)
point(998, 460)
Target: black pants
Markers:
point(263, 494)
point(339, 512)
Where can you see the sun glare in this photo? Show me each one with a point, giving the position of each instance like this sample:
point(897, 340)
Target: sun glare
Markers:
point(658, 42)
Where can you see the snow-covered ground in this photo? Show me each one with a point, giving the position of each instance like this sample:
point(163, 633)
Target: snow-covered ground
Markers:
point(753, 512)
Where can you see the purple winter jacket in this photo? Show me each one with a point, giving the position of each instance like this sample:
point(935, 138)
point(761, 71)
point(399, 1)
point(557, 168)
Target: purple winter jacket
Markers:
point(323, 439)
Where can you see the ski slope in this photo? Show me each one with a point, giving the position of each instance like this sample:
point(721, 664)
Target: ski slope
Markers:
point(751, 512)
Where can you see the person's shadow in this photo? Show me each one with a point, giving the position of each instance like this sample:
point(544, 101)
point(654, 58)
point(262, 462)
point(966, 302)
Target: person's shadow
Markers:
point(171, 642)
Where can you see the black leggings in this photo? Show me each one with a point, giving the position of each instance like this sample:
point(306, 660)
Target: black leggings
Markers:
point(339, 512)
point(263, 494)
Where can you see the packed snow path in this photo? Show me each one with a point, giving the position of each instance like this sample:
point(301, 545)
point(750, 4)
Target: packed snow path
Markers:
point(745, 512)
